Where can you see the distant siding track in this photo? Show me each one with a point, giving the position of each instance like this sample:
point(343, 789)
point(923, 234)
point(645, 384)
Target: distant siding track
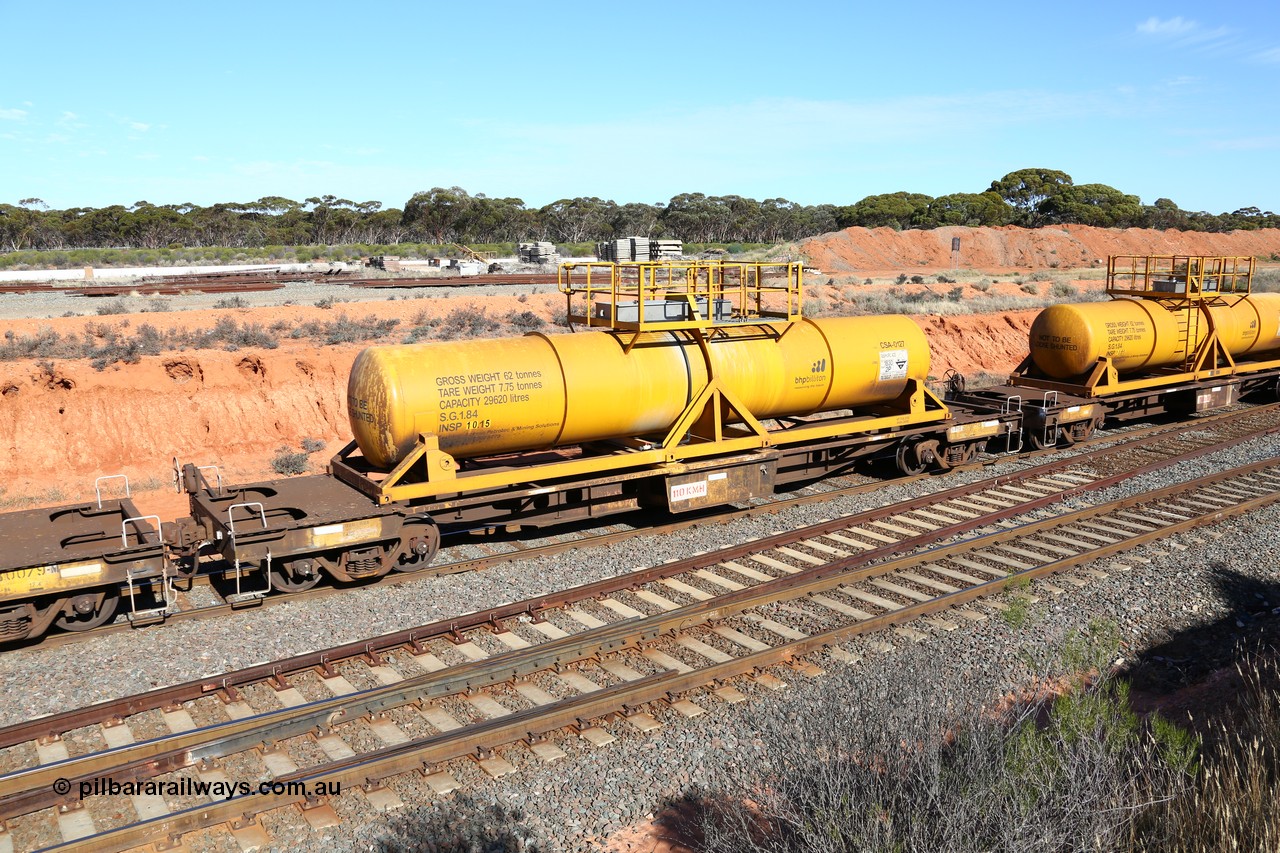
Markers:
point(257, 282)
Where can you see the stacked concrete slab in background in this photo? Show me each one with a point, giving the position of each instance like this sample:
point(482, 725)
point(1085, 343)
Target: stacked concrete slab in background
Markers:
point(541, 252)
point(639, 249)
point(666, 250)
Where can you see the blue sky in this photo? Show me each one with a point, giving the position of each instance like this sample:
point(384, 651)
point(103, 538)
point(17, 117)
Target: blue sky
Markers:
point(105, 103)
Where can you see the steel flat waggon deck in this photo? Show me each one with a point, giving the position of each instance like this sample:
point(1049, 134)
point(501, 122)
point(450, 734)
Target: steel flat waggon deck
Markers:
point(291, 529)
point(69, 564)
point(69, 534)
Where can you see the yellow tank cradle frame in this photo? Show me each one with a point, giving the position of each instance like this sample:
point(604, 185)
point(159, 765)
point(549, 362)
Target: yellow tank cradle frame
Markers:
point(714, 423)
point(428, 472)
point(1184, 285)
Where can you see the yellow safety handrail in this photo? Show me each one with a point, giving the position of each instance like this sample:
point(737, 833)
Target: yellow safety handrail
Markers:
point(1179, 277)
point(664, 295)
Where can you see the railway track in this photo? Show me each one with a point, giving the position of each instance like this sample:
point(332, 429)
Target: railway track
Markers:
point(176, 288)
point(259, 282)
point(470, 687)
point(457, 281)
point(1148, 442)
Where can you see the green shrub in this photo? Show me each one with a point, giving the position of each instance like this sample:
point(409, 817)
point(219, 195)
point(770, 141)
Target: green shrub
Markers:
point(1231, 803)
point(468, 322)
point(1017, 611)
point(290, 462)
point(461, 825)
point(940, 761)
point(249, 335)
point(346, 331)
point(146, 341)
point(119, 305)
point(1266, 281)
point(526, 320)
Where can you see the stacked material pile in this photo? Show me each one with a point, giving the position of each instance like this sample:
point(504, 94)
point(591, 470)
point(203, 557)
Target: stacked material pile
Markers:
point(614, 250)
point(541, 252)
point(390, 263)
point(666, 250)
point(639, 249)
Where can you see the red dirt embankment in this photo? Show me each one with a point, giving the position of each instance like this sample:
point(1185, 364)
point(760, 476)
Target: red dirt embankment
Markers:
point(1006, 248)
point(61, 428)
point(977, 343)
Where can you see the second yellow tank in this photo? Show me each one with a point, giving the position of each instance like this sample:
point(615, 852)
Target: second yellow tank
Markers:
point(1067, 340)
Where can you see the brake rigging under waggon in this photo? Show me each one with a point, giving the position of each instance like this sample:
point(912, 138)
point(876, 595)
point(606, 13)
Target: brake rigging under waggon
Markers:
point(681, 386)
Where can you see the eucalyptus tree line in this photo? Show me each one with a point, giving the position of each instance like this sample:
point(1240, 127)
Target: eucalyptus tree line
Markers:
point(1027, 197)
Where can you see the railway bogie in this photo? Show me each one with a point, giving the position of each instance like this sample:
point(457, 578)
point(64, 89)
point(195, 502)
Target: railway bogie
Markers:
point(289, 534)
point(75, 566)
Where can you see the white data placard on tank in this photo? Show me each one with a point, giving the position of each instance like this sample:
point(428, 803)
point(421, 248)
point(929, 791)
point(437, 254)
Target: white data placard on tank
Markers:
point(893, 364)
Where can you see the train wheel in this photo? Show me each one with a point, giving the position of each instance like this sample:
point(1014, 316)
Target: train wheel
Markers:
point(418, 547)
point(908, 459)
point(88, 611)
point(296, 575)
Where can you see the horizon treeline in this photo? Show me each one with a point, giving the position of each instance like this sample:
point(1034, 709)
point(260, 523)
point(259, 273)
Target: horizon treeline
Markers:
point(1029, 197)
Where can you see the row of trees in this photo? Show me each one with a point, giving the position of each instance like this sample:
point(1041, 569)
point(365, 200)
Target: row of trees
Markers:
point(1029, 197)
point(1034, 198)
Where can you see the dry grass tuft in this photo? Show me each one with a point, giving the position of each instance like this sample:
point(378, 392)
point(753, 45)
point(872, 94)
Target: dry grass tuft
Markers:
point(924, 763)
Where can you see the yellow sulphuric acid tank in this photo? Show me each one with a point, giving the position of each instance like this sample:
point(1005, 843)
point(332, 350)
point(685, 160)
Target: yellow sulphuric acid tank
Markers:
point(485, 397)
point(1067, 340)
